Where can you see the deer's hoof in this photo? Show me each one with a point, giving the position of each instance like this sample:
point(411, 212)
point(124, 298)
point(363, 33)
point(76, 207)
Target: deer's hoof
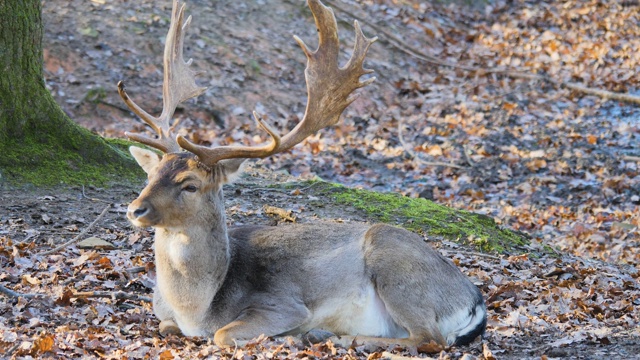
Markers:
point(168, 327)
point(316, 336)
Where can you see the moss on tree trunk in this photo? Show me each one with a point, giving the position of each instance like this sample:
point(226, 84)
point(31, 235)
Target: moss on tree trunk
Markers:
point(39, 144)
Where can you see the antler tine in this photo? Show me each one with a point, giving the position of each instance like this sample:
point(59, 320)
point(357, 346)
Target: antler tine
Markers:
point(329, 88)
point(178, 86)
point(211, 156)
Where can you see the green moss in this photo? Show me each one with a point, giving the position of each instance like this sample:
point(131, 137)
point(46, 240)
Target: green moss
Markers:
point(46, 164)
point(39, 144)
point(427, 217)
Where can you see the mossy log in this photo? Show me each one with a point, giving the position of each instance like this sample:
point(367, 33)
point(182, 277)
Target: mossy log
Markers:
point(424, 216)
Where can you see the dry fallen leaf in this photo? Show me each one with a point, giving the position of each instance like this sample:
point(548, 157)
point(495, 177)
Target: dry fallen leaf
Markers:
point(43, 344)
point(282, 213)
point(486, 352)
point(166, 355)
point(582, 205)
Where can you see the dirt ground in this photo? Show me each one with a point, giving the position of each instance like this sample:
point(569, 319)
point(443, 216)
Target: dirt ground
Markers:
point(553, 163)
point(101, 326)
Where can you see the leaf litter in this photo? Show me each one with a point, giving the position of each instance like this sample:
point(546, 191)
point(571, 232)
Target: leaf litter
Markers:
point(552, 162)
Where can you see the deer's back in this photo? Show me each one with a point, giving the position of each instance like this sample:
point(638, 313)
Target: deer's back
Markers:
point(298, 254)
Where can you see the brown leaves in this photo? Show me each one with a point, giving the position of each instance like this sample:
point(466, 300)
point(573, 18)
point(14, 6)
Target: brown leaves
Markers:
point(282, 214)
point(43, 344)
point(65, 298)
point(488, 355)
point(166, 355)
point(547, 161)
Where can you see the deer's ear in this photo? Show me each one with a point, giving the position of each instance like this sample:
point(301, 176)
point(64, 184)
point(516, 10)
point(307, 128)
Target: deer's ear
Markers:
point(147, 159)
point(230, 169)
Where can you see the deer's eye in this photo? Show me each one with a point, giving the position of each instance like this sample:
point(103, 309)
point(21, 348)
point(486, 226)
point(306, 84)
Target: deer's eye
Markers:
point(190, 188)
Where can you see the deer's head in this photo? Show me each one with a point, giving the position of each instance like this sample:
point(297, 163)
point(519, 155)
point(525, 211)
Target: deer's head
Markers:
point(178, 188)
point(180, 182)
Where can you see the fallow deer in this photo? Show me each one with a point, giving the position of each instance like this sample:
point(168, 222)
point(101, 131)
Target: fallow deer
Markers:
point(380, 283)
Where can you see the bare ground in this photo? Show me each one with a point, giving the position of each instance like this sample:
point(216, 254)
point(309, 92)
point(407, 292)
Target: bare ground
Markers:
point(538, 159)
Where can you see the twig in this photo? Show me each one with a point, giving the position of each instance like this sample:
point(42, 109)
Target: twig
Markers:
point(605, 94)
point(77, 238)
point(310, 186)
point(121, 108)
point(288, 192)
point(114, 295)
point(137, 269)
point(12, 350)
point(466, 151)
point(93, 199)
point(472, 253)
point(235, 349)
point(631, 158)
point(56, 232)
point(11, 293)
point(267, 190)
point(414, 155)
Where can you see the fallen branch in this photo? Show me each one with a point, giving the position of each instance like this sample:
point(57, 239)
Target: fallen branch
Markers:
point(79, 236)
point(137, 269)
point(14, 294)
point(114, 295)
point(605, 94)
point(410, 50)
point(92, 199)
point(310, 186)
point(121, 108)
point(12, 350)
point(472, 253)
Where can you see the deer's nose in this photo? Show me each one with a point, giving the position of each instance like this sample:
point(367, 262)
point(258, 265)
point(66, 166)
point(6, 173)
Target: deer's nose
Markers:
point(136, 213)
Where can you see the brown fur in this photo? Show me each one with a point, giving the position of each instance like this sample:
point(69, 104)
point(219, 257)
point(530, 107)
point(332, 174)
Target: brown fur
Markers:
point(240, 283)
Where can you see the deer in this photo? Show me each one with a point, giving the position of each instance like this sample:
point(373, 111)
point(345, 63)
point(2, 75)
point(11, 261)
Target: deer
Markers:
point(372, 283)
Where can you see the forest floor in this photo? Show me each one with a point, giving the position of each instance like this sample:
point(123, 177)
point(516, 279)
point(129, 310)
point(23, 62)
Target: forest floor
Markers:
point(455, 116)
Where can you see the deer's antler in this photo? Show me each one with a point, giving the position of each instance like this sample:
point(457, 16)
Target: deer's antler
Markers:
point(179, 85)
point(329, 88)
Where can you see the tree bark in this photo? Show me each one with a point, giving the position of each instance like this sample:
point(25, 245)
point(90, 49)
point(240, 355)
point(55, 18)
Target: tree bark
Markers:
point(38, 142)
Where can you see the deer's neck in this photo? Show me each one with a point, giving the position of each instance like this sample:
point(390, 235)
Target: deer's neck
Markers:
point(192, 262)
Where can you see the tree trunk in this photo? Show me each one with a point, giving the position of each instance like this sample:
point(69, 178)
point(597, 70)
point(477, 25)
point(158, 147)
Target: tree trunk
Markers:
point(39, 144)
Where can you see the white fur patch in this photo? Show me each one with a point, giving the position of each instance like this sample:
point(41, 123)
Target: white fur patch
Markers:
point(362, 313)
point(461, 323)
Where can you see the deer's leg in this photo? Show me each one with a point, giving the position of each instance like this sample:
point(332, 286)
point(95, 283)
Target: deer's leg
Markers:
point(403, 283)
point(164, 313)
point(281, 316)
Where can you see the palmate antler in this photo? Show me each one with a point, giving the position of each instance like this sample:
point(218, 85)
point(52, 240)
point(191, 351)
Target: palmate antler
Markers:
point(329, 88)
point(178, 86)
